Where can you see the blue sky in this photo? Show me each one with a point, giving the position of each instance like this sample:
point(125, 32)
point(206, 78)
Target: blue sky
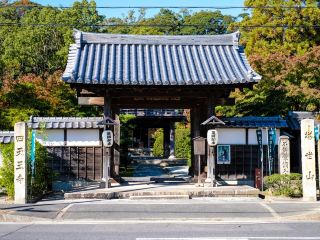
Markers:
point(164, 3)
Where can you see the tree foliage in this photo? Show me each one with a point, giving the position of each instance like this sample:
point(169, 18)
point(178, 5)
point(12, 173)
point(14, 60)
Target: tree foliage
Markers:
point(287, 58)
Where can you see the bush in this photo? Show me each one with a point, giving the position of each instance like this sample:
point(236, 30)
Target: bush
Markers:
point(182, 143)
point(158, 143)
point(42, 173)
point(289, 185)
point(7, 169)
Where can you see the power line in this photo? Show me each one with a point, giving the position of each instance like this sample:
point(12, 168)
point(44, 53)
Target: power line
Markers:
point(149, 25)
point(166, 7)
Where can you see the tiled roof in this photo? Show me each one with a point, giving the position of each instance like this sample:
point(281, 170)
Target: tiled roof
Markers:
point(112, 59)
point(6, 137)
point(255, 122)
point(64, 122)
point(294, 118)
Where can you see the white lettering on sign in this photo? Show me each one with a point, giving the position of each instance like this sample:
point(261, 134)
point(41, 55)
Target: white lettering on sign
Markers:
point(308, 159)
point(284, 155)
point(107, 138)
point(20, 163)
point(212, 137)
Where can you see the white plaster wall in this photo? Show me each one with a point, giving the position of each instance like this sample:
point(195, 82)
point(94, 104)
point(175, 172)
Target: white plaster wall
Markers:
point(231, 136)
point(51, 137)
point(83, 137)
point(252, 136)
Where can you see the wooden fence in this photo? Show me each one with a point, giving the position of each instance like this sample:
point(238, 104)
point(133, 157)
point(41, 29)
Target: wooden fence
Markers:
point(71, 163)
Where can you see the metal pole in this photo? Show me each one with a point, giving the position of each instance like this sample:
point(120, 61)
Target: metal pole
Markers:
point(199, 159)
point(319, 155)
point(268, 155)
point(262, 168)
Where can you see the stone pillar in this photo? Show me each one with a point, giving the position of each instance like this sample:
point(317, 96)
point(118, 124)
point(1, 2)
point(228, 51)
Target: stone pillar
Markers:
point(308, 160)
point(211, 178)
point(284, 155)
point(20, 163)
point(172, 139)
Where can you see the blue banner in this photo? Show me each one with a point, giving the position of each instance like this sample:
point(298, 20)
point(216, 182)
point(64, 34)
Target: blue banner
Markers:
point(33, 152)
point(271, 147)
point(259, 139)
point(316, 133)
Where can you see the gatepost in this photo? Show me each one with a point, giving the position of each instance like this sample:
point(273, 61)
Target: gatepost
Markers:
point(212, 138)
point(308, 160)
point(20, 163)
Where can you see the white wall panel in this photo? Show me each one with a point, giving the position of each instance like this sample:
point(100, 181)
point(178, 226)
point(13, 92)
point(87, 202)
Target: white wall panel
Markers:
point(232, 136)
point(83, 137)
point(252, 136)
point(51, 137)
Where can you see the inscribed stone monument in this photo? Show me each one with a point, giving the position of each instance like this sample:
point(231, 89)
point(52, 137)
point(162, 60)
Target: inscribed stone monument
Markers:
point(284, 155)
point(308, 160)
point(20, 163)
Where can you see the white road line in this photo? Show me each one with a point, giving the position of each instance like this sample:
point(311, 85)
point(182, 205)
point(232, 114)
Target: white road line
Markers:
point(271, 210)
point(62, 212)
point(234, 238)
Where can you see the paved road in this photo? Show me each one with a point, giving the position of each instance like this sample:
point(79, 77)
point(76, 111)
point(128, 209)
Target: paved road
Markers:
point(140, 231)
point(201, 210)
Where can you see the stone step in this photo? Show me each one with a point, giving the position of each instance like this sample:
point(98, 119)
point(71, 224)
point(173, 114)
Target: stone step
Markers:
point(160, 197)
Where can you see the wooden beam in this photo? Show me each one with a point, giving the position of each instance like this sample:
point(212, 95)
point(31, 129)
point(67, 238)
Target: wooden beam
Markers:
point(91, 101)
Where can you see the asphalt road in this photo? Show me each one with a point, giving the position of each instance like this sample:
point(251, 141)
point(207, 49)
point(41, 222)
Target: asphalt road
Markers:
point(212, 218)
point(139, 231)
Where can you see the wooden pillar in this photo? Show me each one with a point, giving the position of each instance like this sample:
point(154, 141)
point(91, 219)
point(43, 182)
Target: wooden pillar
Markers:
point(106, 151)
point(195, 132)
point(116, 145)
point(166, 141)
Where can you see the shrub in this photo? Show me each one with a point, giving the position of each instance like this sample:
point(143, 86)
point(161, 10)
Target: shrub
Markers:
point(42, 173)
point(158, 143)
point(182, 143)
point(289, 185)
point(7, 169)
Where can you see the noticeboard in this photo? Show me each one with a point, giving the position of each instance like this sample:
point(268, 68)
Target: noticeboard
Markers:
point(223, 154)
point(199, 146)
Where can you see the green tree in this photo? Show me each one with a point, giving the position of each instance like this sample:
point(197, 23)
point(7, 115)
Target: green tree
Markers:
point(297, 36)
point(286, 57)
point(206, 22)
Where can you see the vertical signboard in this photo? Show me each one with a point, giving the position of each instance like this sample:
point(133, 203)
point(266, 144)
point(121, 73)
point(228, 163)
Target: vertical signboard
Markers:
point(20, 163)
point(284, 155)
point(308, 160)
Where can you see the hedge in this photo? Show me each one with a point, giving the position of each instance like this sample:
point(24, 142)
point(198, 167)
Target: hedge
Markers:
point(289, 185)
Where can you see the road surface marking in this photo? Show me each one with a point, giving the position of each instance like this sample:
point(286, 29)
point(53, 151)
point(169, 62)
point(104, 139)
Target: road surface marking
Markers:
point(63, 211)
point(271, 210)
